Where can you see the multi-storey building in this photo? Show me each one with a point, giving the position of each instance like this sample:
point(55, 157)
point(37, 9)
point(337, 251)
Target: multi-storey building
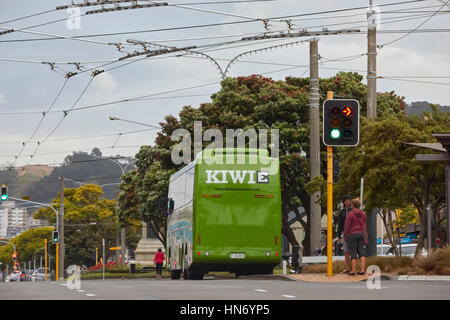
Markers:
point(12, 220)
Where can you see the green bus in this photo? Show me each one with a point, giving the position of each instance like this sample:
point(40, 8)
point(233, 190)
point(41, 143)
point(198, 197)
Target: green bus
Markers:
point(225, 217)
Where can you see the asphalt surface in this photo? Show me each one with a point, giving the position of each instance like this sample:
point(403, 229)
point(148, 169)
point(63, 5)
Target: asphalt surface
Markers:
point(226, 289)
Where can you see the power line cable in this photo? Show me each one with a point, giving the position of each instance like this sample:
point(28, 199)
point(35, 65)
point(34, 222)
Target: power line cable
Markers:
point(398, 39)
point(62, 119)
point(55, 37)
point(41, 120)
point(29, 16)
point(84, 137)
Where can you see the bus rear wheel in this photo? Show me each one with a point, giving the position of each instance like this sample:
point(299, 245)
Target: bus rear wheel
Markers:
point(189, 275)
point(175, 274)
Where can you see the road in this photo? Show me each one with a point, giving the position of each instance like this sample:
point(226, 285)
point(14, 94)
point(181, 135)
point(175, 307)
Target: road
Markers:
point(226, 289)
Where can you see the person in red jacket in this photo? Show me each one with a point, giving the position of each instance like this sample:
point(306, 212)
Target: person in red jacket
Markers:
point(159, 260)
point(354, 233)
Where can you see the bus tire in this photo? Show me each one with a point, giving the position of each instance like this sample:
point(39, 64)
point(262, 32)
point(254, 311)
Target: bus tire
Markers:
point(189, 275)
point(175, 274)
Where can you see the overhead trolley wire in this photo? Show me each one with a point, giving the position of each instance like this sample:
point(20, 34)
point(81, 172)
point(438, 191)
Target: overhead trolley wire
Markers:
point(400, 38)
point(29, 16)
point(41, 120)
point(78, 37)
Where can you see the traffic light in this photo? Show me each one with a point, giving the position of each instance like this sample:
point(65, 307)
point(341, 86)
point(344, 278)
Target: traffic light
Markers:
point(341, 122)
point(4, 195)
point(14, 255)
point(55, 236)
point(170, 205)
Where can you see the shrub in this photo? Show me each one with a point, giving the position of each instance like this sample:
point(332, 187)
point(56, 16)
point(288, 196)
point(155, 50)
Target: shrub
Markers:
point(426, 264)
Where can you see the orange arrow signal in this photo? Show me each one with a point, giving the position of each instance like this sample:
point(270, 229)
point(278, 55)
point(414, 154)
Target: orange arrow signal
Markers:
point(347, 111)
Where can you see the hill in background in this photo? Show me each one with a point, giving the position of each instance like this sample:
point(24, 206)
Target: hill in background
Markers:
point(416, 108)
point(41, 183)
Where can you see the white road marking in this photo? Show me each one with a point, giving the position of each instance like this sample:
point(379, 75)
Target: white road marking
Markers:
point(90, 295)
point(287, 296)
point(80, 290)
point(260, 290)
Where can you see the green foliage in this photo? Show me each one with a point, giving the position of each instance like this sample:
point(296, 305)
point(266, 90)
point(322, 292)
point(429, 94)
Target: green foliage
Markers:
point(40, 182)
point(252, 102)
point(88, 218)
point(29, 245)
point(393, 179)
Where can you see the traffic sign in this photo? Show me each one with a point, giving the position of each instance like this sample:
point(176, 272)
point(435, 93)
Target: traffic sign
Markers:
point(114, 248)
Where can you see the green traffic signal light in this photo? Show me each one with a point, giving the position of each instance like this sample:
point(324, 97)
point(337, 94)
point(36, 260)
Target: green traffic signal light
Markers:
point(335, 134)
point(55, 236)
point(341, 122)
point(4, 195)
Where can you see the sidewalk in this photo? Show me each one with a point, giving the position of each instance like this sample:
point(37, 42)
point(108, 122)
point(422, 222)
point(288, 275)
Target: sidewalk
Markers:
point(321, 277)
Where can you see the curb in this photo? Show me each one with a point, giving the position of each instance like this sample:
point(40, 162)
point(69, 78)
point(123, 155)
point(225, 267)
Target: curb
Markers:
point(268, 277)
point(422, 278)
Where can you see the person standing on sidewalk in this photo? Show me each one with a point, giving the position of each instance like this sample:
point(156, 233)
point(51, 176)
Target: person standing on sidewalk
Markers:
point(355, 232)
point(159, 260)
point(341, 224)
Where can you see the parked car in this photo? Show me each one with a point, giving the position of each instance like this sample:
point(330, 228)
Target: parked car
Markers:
point(39, 274)
point(382, 249)
point(22, 275)
point(408, 250)
point(28, 275)
point(13, 276)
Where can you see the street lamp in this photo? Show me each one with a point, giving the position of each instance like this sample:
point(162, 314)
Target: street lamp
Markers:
point(143, 124)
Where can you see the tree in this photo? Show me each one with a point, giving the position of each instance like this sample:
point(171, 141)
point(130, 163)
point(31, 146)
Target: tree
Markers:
point(29, 246)
point(392, 177)
point(253, 102)
point(88, 218)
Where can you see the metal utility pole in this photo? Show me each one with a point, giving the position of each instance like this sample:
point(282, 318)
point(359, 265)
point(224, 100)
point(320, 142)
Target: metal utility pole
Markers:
point(117, 251)
point(429, 223)
point(45, 253)
point(61, 230)
point(314, 142)
point(122, 245)
point(103, 258)
point(371, 64)
point(372, 110)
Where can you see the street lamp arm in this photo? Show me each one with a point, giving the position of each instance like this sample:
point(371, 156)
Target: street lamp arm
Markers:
point(143, 124)
point(7, 242)
point(39, 203)
point(42, 204)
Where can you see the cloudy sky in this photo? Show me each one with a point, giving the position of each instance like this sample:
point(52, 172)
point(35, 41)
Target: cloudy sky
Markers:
point(419, 62)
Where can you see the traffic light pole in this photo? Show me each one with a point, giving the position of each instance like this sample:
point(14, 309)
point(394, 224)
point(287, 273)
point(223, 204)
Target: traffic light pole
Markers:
point(57, 259)
point(61, 229)
point(45, 257)
point(330, 204)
